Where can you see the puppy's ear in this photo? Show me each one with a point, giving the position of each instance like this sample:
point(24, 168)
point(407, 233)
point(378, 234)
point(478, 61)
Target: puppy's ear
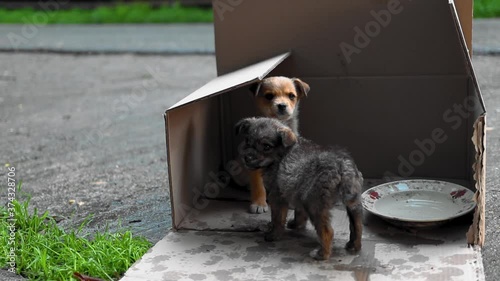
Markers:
point(288, 138)
point(242, 126)
point(301, 86)
point(254, 88)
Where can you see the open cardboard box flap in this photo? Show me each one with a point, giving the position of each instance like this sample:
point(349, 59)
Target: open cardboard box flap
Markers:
point(390, 80)
point(194, 139)
point(233, 80)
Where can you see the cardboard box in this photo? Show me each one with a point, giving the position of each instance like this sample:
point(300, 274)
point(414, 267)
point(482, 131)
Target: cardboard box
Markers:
point(390, 80)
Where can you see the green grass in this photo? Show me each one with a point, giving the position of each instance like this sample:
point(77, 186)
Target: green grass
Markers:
point(121, 13)
point(46, 252)
point(486, 8)
point(145, 13)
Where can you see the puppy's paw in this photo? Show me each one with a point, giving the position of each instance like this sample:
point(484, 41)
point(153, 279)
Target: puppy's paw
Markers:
point(292, 224)
point(271, 236)
point(258, 208)
point(353, 246)
point(319, 254)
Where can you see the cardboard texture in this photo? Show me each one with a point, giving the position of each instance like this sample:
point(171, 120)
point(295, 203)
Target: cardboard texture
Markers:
point(476, 232)
point(464, 11)
point(396, 88)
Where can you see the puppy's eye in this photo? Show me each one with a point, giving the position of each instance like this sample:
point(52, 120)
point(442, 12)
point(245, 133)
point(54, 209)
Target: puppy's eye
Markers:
point(267, 147)
point(291, 96)
point(269, 96)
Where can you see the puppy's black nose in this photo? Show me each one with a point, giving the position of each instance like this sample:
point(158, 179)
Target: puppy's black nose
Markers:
point(249, 158)
point(281, 106)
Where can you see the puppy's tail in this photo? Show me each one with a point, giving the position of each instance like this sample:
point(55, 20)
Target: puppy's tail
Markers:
point(350, 187)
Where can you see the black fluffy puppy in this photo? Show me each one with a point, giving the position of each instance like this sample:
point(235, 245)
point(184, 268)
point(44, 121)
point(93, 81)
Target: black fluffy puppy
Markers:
point(299, 173)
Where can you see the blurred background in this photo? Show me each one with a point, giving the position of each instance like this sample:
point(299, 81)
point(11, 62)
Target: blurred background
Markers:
point(130, 11)
point(106, 11)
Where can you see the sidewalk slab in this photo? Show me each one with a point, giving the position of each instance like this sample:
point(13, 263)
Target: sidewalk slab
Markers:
point(388, 253)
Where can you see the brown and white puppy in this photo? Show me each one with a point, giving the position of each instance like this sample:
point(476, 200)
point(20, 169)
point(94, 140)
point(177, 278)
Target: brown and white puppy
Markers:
point(276, 97)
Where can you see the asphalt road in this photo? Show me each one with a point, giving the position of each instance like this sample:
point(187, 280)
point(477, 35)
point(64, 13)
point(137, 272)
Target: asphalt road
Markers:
point(110, 38)
point(91, 129)
point(488, 73)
